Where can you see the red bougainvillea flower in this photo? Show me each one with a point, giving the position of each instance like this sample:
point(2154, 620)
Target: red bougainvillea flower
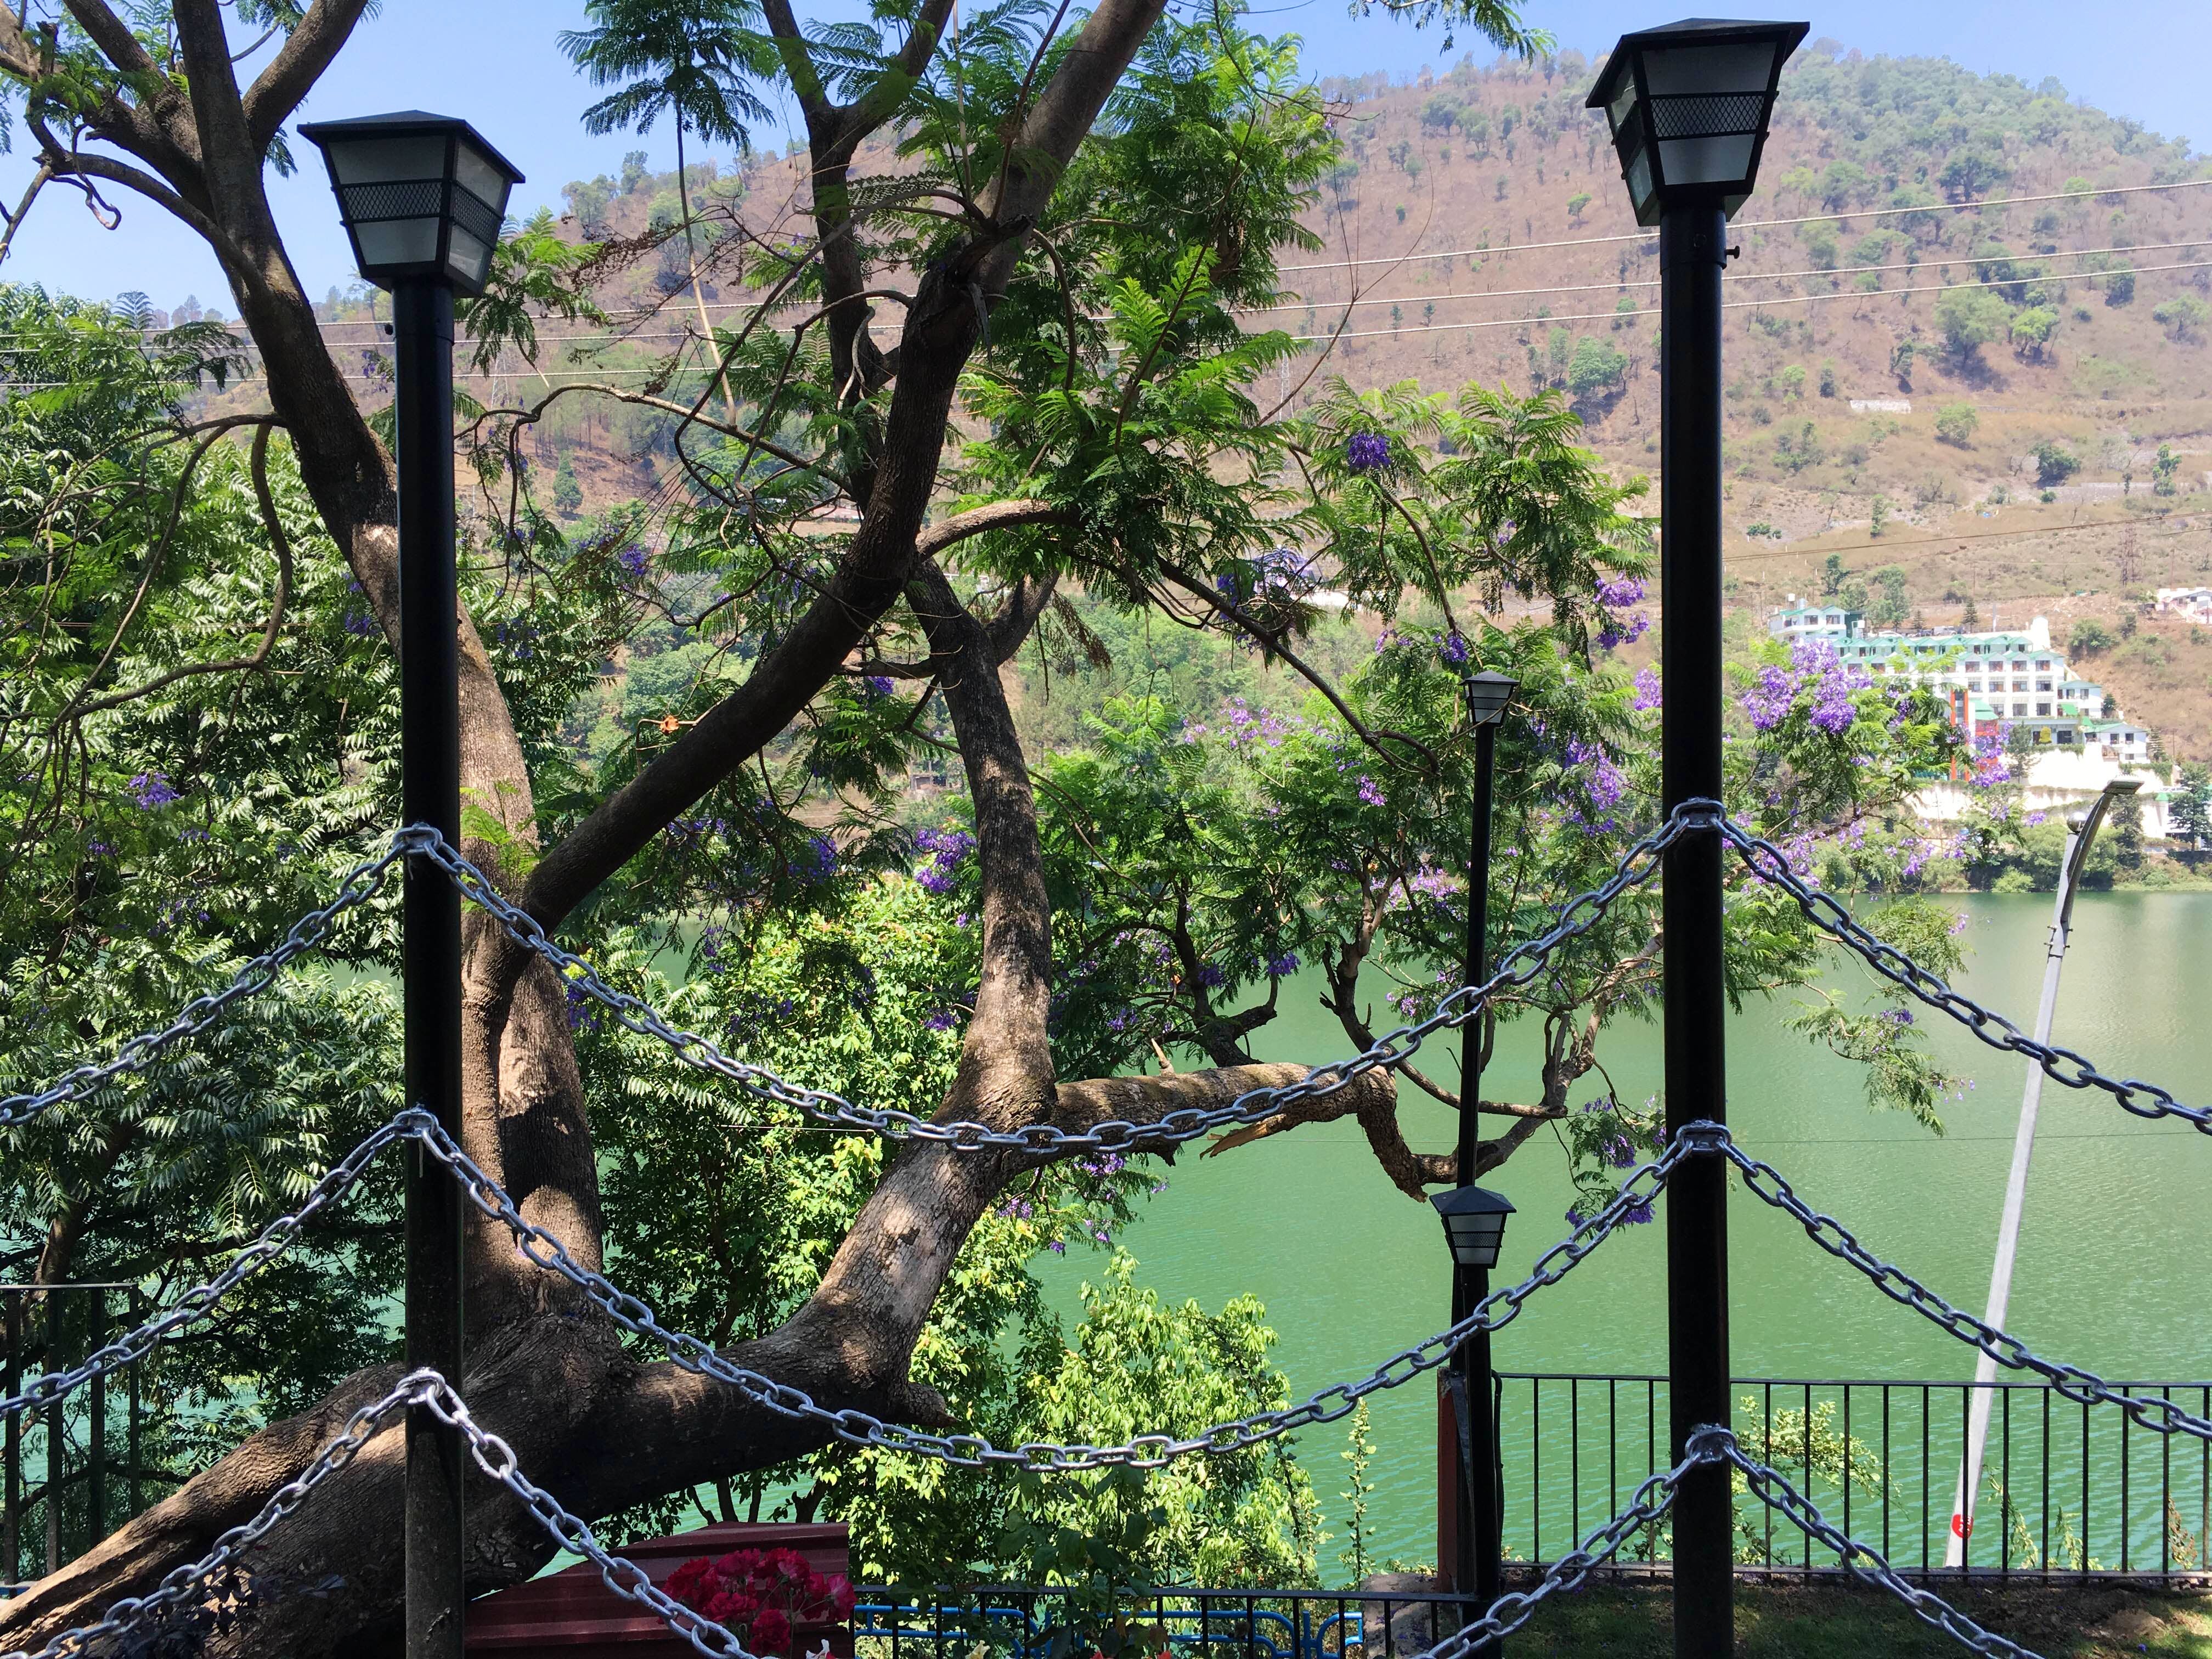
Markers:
point(690, 1583)
point(771, 1632)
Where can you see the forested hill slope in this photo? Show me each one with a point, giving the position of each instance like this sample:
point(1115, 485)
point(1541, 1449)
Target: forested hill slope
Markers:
point(2039, 440)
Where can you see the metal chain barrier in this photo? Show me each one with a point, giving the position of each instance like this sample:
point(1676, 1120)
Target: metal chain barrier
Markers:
point(1647, 1504)
point(973, 1451)
point(187, 1587)
point(1770, 864)
point(625, 1578)
point(1519, 966)
point(1710, 1444)
point(2159, 1415)
point(256, 976)
point(195, 1303)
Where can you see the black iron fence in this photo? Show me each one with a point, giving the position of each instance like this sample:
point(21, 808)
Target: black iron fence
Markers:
point(70, 1473)
point(2066, 1489)
point(1029, 1621)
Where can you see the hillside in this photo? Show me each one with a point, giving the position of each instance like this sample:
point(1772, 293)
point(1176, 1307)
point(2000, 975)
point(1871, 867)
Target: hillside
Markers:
point(2062, 430)
point(2040, 442)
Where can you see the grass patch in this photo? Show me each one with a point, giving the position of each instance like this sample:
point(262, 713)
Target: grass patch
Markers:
point(1835, 1621)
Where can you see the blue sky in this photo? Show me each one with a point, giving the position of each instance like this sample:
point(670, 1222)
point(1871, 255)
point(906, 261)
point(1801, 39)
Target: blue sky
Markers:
point(497, 62)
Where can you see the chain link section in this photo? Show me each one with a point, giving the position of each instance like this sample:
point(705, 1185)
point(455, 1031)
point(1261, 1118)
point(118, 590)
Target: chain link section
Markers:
point(256, 976)
point(1517, 967)
point(1647, 1504)
point(195, 1303)
point(973, 1451)
point(1710, 1444)
point(1770, 864)
point(2159, 1415)
point(185, 1587)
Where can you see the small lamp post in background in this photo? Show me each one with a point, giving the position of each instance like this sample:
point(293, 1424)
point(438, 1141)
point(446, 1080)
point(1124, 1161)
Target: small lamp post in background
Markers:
point(1469, 1441)
point(1688, 104)
point(2081, 829)
point(422, 198)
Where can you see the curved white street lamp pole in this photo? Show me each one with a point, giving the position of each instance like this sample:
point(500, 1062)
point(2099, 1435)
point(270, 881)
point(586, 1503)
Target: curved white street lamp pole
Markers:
point(2081, 829)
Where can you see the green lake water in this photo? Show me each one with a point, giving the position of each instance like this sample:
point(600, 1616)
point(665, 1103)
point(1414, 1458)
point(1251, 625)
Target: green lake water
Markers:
point(2112, 1258)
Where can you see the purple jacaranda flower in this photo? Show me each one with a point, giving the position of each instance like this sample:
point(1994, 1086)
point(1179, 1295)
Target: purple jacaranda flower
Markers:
point(948, 850)
point(1210, 977)
point(940, 1019)
point(1618, 1151)
point(1283, 966)
point(632, 559)
point(359, 623)
point(1451, 650)
point(1057, 1247)
point(1647, 690)
point(151, 790)
point(1369, 791)
point(1638, 1214)
point(879, 685)
point(1901, 1016)
point(1619, 593)
point(1367, 452)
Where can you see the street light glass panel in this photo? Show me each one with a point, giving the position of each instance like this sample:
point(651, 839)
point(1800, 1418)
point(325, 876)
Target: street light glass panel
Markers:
point(1487, 694)
point(422, 195)
point(1474, 1224)
point(1688, 104)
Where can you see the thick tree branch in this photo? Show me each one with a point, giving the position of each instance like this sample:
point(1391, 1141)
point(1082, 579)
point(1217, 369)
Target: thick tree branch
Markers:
point(855, 598)
point(298, 64)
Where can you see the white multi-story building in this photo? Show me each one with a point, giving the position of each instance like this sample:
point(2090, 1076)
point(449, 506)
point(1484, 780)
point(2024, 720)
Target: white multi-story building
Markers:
point(2005, 679)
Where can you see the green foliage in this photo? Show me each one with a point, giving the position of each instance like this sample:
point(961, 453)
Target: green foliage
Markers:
point(1955, 423)
point(2165, 470)
point(2190, 811)
point(2089, 637)
point(1883, 1036)
point(2032, 330)
point(2054, 463)
point(1970, 318)
point(2183, 317)
point(167, 812)
point(1596, 367)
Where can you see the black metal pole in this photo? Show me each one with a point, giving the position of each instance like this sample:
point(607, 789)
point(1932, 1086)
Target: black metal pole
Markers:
point(1692, 249)
point(431, 788)
point(1480, 1548)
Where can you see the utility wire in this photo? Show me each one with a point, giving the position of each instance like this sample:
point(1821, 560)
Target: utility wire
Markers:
point(1726, 305)
point(1752, 224)
point(1733, 276)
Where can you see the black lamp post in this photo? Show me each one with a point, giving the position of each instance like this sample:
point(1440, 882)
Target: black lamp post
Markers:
point(1471, 1476)
point(1689, 105)
point(422, 198)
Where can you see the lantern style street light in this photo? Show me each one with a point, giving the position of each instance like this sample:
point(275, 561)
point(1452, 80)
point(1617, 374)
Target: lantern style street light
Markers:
point(422, 198)
point(1689, 105)
point(1475, 1225)
point(1467, 1470)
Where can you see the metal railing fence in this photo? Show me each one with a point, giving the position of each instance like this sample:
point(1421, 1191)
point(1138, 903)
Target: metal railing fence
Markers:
point(2068, 1489)
point(73, 1471)
point(1031, 1621)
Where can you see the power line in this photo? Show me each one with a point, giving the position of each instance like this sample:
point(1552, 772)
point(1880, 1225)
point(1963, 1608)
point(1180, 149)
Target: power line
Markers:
point(1726, 305)
point(1885, 545)
point(1733, 276)
point(1752, 224)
